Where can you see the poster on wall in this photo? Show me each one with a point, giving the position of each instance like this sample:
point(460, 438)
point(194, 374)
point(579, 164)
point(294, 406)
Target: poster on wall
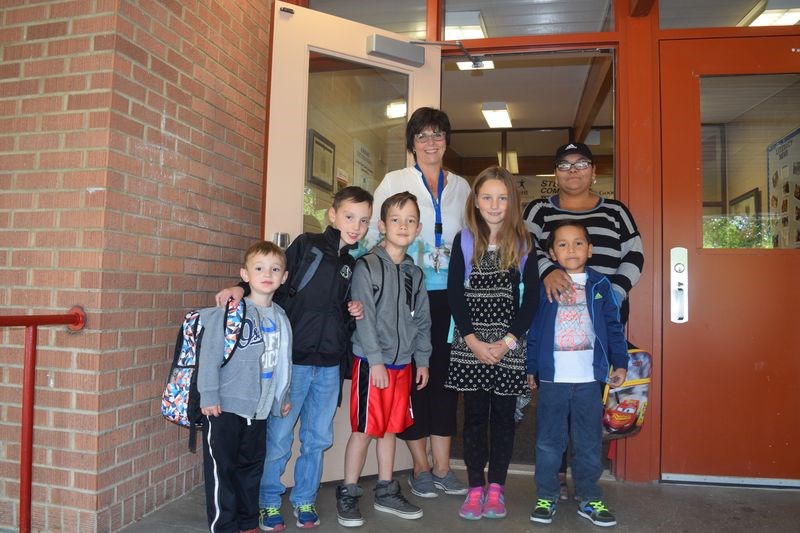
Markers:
point(363, 166)
point(535, 187)
point(783, 190)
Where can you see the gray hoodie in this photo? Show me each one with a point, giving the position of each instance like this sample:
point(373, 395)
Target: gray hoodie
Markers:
point(238, 387)
point(400, 325)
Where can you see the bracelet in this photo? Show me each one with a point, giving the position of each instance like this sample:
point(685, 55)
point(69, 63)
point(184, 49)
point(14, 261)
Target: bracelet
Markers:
point(510, 341)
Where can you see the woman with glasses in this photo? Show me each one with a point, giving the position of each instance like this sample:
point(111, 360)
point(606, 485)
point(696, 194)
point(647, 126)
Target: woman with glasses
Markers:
point(442, 196)
point(616, 245)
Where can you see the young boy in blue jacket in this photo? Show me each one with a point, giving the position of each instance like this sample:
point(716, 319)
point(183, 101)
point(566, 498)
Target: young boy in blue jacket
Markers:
point(571, 345)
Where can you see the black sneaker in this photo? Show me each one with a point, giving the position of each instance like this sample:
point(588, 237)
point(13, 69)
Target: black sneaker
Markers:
point(347, 505)
point(389, 499)
point(597, 513)
point(544, 511)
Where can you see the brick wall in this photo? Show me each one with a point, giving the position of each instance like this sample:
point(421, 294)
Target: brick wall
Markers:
point(131, 156)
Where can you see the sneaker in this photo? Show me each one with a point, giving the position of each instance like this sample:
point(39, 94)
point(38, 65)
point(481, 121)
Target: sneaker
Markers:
point(544, 511)
point(494, 506)
point(422, 485)
point(472, 508)
point(270, 519)
point(389, 499)
point(596, 513)
point(306, 515)
point(347, 511)
point(450, 484)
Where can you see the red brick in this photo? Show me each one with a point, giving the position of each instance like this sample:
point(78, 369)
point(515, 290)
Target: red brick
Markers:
point(46, 31)
point(42, 141)
point(60, 159)
point(19, 88)
point(43, 104)
point(65, 84)
point(10, 70)
point(68, 47)
point(63, 121)
point(94, 25)
point(96, 100)
point(86, 139)
point(23, 51)
point(17, 161)
point(33, 219)
point(71, 9)
point(44, 67)
point(91, 63)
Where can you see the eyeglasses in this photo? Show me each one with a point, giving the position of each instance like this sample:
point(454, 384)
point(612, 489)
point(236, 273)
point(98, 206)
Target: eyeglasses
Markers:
point(565, 166)
point(422, 138)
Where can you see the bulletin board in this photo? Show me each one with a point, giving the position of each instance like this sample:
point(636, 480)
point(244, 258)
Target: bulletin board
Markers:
point(783, 190)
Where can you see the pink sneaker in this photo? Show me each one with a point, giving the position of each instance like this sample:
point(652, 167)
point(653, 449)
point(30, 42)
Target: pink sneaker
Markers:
point(472, 507)
point(495, 504)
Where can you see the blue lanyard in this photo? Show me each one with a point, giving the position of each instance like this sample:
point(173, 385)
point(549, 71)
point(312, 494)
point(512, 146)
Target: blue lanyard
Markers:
point(437, 204)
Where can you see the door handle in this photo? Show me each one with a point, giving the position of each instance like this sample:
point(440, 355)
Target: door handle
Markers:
point(679, 285)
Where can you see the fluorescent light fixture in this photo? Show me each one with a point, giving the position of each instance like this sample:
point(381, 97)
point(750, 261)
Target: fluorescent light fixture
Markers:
point(496, 114)
point(512, 164)
point(772, 13)
point(464, 25)
point(777, 17)
point(479, 64)
point(396, 109)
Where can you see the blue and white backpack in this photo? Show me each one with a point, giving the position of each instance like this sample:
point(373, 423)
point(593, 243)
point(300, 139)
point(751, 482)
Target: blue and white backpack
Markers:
point(180, 403)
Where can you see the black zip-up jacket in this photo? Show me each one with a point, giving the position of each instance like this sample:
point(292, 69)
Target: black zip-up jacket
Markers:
point(321, 324)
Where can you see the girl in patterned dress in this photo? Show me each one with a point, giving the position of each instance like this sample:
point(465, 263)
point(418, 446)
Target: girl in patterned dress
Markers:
point(487, 359)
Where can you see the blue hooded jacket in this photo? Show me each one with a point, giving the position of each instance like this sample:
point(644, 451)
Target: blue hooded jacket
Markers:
point(609, 345)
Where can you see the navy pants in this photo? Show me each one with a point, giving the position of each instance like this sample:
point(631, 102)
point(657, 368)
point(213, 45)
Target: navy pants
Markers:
point(233, 460)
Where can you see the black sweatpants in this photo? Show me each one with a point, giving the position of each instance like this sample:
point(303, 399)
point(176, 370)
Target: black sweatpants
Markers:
point(489, 428)
point(234, 449)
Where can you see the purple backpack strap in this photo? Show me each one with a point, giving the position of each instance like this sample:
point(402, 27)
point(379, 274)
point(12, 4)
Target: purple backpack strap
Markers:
point(467, 248)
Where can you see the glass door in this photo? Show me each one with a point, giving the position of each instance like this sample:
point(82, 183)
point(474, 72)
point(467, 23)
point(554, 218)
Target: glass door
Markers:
point(340, 93)
point(731, 257)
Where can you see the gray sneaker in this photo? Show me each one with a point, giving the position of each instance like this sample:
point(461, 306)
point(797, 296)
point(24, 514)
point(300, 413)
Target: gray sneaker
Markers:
point(389, 499)
point(422, 485)
point(450, 484)
point(347, 505)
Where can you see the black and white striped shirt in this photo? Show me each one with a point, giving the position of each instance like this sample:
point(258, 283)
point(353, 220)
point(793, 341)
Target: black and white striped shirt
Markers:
point(616, 245)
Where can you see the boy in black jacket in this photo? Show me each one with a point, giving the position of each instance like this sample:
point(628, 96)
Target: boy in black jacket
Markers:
point(321, 316)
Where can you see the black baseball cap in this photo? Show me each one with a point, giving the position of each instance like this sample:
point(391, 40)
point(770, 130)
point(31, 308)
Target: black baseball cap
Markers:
point(573, 148)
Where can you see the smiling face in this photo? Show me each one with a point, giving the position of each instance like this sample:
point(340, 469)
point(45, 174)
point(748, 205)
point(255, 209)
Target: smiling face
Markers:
point(401, 225)
point(429, 146)
point(574, 181)
point(571, 248)
point(491, 201)
point(352, 221)
point(265, 273)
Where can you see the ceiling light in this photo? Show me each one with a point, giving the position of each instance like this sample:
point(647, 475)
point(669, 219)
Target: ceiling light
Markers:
point(396, 109)
point(777, 17)
point(479, 64)
point(512, 165)
point(464, 25)
point(772, 13)
point(496, 114)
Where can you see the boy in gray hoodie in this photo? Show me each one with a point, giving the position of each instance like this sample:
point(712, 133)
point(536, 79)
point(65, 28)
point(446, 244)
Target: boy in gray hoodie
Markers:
point(396, 325)
point(236, 398)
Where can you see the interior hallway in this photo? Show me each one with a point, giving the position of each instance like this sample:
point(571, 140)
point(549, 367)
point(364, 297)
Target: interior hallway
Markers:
point(638, 507)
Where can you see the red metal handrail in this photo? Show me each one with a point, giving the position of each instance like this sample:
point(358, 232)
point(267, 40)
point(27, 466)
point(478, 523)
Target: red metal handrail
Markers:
point(75, 320)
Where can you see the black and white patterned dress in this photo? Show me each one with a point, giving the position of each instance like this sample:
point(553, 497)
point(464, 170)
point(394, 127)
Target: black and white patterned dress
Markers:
point(491, 308)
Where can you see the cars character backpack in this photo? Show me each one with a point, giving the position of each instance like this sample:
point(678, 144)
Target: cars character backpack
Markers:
point(180, 402)
point(625, 406)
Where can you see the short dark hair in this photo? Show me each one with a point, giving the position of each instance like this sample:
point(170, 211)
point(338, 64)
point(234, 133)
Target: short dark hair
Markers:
point(353, 194)
point(557, 225)
point(398, 200)
point(427, 117)
point(265, 248)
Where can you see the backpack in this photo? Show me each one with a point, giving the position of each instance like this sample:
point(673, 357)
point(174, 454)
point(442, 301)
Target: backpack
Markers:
point(180, 402)
point(377, 288)
point(306, 269)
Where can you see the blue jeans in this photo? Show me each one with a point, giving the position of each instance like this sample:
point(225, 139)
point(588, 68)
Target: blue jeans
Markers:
point(582, 403)
point(314, 392)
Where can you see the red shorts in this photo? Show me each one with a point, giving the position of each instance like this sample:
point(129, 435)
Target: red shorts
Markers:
point(377, 411)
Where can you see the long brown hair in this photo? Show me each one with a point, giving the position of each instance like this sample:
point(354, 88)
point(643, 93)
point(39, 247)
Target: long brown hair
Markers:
point(513, 240)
